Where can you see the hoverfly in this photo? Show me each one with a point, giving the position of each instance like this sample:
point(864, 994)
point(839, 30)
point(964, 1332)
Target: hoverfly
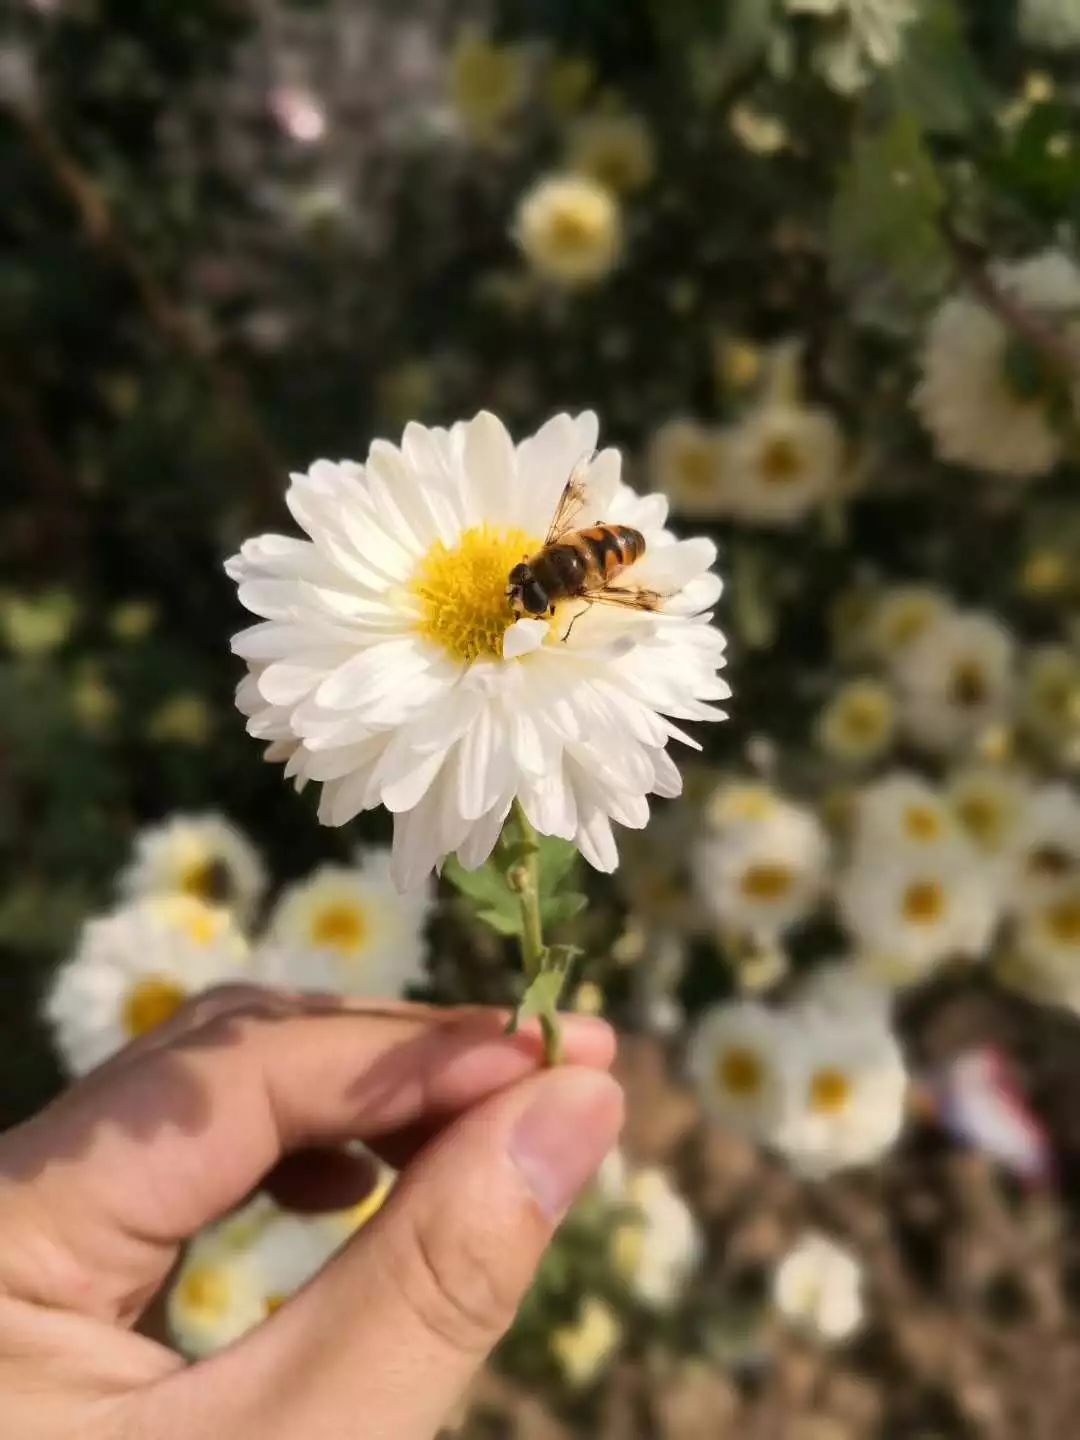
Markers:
point(578, 564)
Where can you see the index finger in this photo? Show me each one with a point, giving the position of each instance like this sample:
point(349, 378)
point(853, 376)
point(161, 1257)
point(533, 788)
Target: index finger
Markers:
point(145, 1151)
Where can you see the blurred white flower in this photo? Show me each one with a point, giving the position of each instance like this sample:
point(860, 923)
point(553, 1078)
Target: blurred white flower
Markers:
point(738, 803)
point(976, 397)
point(486, 83)
point(908, 913)
point(782, 459)
point(843, 988)
point(583, 1350)
point(1050, 699)
point(615, 149)
point(390, 667)
point(817, 1287)
point(133, 969)
point(759, 877)
point(347, 930)
point(1046, 859)
point(866, 35)
point(656, 1248)
point(956, 680)
point(900, 617)
point(738, 1058)
point(204, 856)
point(1050, 24)
point(845, 1088)
point(903, 814)
point(237, 1273)
point(570, 229)
point(686, 462)
point(990, 804)
point(1043, 960)
point(857, 724)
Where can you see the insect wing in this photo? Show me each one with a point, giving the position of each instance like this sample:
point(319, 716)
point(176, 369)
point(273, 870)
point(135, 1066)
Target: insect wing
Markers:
point(571, 502)
point(629, 598)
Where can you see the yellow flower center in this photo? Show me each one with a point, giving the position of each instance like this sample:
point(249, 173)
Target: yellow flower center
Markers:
point(740, 1072)
point(969, 687)
point(863, 717)
point(747, 802)
point(696, 467)
point(781, 462)
point(341, 926)
point(572, 226)
point(767, 882)
point(830, 1091)
point(924, 902)
point(206, 880)
point(150, 1002)
point(1063, 921)
point(463, 591)
point(205, 1290)
point(922, 822)
point(627, 1247)
point(982, 817)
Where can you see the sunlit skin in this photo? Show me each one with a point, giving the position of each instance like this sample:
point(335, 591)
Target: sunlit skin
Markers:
point(99, 1191)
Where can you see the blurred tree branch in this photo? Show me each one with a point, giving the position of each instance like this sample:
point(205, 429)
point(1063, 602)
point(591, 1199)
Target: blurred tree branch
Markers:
point(264, 470)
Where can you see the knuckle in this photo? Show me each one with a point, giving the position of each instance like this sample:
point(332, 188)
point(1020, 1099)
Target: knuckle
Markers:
point(453, 1282)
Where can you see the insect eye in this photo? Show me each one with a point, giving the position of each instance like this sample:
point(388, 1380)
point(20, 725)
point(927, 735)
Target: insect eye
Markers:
point(519, 574)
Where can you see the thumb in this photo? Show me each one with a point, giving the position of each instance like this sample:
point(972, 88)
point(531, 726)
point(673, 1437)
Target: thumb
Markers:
point(396, 1326)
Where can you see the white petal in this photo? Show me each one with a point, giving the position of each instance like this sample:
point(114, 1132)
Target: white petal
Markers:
point(523, 637)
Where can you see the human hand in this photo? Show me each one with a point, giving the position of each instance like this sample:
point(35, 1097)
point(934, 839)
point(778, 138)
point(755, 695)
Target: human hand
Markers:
point(98, 1192)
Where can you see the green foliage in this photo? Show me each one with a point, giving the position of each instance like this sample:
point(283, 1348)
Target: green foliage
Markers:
point(885, 240)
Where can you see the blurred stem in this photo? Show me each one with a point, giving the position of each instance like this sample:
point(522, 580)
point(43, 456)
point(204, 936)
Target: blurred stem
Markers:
point(533, 949)
point(972, 262)
point(168, 320)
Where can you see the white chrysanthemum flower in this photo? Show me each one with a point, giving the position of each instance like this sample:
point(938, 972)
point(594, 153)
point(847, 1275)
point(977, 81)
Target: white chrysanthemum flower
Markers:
point(977, 414)
point(347, 930)
point(956, 680)
point(782, 459)
point(738, 1059)
point(570, 229)
point(204, 856)
point(1050, 24)
point(909, 913)
point(868, 35)
point(1043, 961)
point(390, 667)
point(1050, 699)
point(1046, 858)
point(900, 617)
point(903, 814)
point(657, 1248)
point(486, 83)
point(817, 1287)
point(737, 804)
point(582, 1350)
point(759, 878)
point(844, 988)
point(615, 149)
point(686, 462)
point(990, 804)
point(238, 1272)
point(858, 723)
point(133, 969)
point(844, 1092)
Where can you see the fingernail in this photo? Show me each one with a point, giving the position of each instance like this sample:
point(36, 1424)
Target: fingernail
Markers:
point(559, 1141)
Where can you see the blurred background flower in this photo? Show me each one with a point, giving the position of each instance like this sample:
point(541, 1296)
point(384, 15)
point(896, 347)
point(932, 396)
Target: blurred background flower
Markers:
point(815, 266)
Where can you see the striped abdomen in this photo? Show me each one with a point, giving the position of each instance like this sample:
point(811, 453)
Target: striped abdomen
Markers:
point(583, 560)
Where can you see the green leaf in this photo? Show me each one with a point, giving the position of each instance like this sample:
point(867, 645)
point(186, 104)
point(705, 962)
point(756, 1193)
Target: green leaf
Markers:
point(557, 859)
point(1039, 163)
point(513, 854)
point(543, 994)
point(558, 909)
point(492, 900)
point(885, 238)
point(503, 922)
point(936, 77)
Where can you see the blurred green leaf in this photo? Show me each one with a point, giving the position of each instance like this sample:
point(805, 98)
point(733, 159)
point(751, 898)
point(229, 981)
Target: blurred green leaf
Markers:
point(885, 241)
point(936, 77)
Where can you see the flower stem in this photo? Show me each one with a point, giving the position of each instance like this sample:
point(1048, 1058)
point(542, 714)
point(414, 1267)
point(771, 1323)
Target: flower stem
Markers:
point(528, 891)
point(533, 950)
